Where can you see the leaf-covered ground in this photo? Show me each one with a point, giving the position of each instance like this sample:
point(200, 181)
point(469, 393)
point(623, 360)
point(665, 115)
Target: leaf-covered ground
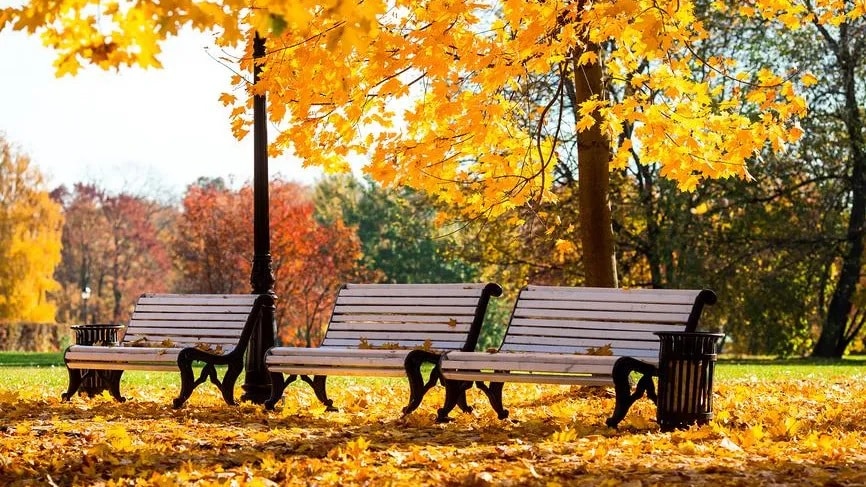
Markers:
point(779, 432)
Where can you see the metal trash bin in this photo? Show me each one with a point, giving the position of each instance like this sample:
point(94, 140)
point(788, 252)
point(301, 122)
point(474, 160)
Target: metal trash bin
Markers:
point(685, 390)
point(97, 334)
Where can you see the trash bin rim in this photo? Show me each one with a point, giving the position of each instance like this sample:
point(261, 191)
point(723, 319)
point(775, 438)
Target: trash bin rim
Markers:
point(689, 333)
point(97, 326)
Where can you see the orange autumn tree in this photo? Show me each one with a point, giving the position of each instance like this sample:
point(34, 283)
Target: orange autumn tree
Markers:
point(311, 259)
point(429, 92)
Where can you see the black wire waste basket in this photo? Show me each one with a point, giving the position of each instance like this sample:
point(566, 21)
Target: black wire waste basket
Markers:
point(685, 391)
point(99, 334)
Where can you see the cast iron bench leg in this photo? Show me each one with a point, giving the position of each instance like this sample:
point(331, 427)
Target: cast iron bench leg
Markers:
point(74, 383)
point(112, 378)
point(417, 387)
point(493, 391)
point(622, 369)
point(318, 385)
point(278, 386)
point(455, 393)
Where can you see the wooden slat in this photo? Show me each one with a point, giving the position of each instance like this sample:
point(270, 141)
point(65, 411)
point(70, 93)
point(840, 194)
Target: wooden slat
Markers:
point(210, 325)
point(602, 315)
point(190, 332)
point(613, 341)
point(610, 326)
point(437, 345)
point(226, 308)
point(670, 296)
point(191, 317)
point(568, 332)
point(601, 380)
point(642, 354)
point(548, 367)
point(398, 318)
point(118, 354)
point(344, 361)
point(625, 307)
point(406, 310)
point(395, 336)
point(410, 301)
point(397, 327)
point(185, 299)
point(150, 366)
point(179, 341)
point(404, 290)
point(342, 371)
point(468, 357)
point(334, 352)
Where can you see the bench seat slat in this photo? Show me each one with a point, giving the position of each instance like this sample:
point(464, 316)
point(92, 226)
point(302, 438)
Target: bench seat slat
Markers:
point(600, 380)
point(414, 344)
point(406, 290)
point(176, 341)
point(208, 325)
point(148, 366)
point(189, 332)
point(394, 361)
point(405, 309)
point(669, 296)
point(617, 352)
point(580, 333)
point(120, 355)
point(190, 317)
point(362, 319)
point(342, 371)
point(277, 352)
point(615, 316)
point(410, 301)
point(397, 336)
point(196, 299)
point(579, 344)
point(396, 327)
point(608, 326)
point(622, 307)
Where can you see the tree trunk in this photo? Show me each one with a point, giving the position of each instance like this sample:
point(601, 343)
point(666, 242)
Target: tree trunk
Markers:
point(593, 168)
point(833, 341)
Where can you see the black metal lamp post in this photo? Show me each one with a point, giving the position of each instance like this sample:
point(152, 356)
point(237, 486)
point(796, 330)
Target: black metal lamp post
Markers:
point(257, 387)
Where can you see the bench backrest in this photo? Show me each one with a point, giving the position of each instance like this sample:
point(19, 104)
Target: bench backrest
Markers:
point(577, 319)
point(435, 316)
point(188, 320)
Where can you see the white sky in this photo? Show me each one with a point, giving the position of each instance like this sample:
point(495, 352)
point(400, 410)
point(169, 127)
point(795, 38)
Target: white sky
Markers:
point(150, 132)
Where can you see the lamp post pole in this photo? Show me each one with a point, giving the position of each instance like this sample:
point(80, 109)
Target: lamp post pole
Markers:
point(256, 385)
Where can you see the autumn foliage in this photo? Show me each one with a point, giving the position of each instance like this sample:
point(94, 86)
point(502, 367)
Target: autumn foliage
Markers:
point(310, 259)
point(766, 432)
point(30, 226)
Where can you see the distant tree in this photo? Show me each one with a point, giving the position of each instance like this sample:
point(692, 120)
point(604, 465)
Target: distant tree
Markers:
point(213, 241)
point(310, 258)
point(400, 231)
point(30, 232)
point(113, 246)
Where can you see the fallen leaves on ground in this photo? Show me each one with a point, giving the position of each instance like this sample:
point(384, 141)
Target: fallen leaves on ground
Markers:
point(789, 432)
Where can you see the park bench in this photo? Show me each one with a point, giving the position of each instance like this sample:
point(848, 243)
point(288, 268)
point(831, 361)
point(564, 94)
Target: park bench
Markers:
point(575, 336)
point(374, 327)
point(168, 332)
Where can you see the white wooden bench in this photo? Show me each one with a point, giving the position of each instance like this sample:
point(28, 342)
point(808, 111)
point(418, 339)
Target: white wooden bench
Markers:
point(573, 335)
point(375, 327)
point(168, 332)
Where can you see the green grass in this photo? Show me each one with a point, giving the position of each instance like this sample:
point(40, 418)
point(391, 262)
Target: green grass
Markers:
point(31, 359)
point(798, 368)
point(45, 369)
